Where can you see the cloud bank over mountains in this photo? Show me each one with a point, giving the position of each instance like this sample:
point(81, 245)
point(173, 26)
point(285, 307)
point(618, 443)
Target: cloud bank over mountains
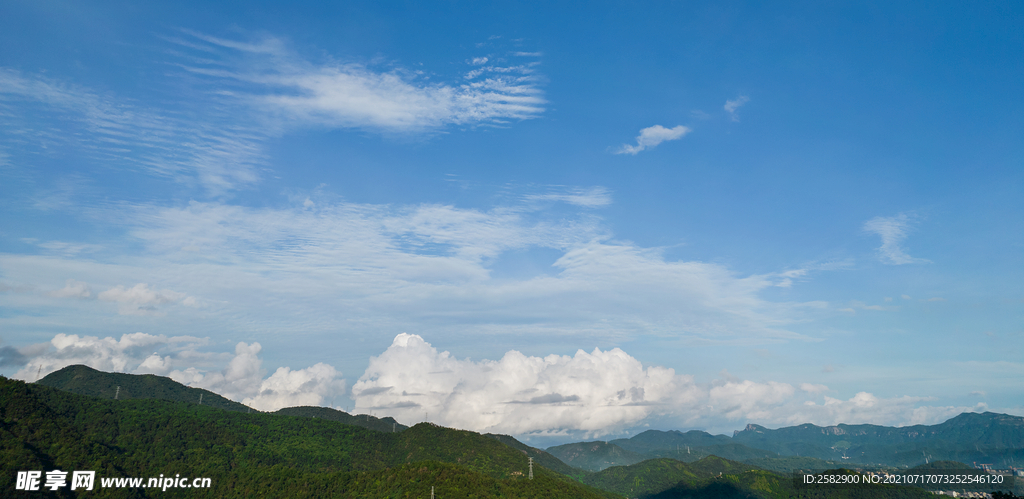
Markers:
point(590, 395)
point(586, 395)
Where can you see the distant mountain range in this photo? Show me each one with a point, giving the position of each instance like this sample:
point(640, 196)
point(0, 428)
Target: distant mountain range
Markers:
point(987, 438)
point(69, 421)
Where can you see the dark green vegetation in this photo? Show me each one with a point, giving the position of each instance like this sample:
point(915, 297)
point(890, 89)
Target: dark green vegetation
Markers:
point(85, 380)
point(714, 477)
point(257, 454)
point(387, 424)
point(540, 457)
point(157, 427)
point(762, 484)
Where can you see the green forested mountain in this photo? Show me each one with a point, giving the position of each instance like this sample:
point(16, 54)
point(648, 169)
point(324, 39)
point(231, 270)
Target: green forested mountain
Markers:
point(714, 477)
point(760, 484)
point(387, 424)
point(541, 457)
point(315, 454)
point(257, 454)
point(85, 380)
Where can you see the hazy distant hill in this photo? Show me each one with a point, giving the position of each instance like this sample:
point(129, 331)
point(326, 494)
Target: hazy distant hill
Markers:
point(990, 438)
point(970, 437)
point(594, 456)
point(689, 446)
point(257, 454)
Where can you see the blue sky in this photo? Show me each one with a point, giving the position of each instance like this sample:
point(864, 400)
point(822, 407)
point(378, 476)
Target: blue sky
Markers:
point(559, 221)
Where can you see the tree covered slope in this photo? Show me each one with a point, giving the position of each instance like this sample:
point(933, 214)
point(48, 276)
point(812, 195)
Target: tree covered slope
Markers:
point(257, 454)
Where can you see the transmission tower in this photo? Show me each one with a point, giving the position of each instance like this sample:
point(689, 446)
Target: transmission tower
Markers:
point(118, 392)
point(531, 468)
point(200, 399)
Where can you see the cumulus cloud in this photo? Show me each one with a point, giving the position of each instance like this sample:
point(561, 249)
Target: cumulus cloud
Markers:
point(595, 392)
point(242, 380)
point(598, 393)
point(299, 387)
point(177, 357)
point(652, 136)
point(122, 354)
point(892, 230)
point(732, 105)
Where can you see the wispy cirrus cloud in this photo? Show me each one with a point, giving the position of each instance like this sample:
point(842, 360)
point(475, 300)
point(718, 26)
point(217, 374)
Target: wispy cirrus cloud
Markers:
point(732, 105)
point(243, 94)
point(350, 95)
point(652, 136)
point(42, 113)
point(893, 230)
point(594, 197)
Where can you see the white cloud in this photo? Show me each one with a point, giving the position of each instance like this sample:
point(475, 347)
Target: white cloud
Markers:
point(301, 387)
point(241, 380)
point(221, 156)
point(105, 354)
point(476, 61)
point(72, 289)
point(893, 230)
point(594, 197)
point(598, 393)
point(257, 91)
point(732, 105)
point(141, 300)
point(812, 388)
point(652, 136)
point(430, 267)
point(349, 95)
